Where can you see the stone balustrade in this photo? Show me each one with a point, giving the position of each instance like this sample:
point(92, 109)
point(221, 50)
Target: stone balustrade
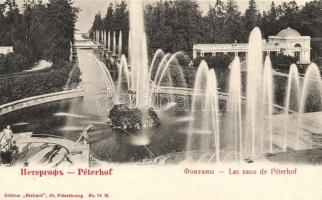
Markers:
point(41, 99)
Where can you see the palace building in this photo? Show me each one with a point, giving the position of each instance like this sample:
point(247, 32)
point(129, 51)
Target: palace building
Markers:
point(287, 42)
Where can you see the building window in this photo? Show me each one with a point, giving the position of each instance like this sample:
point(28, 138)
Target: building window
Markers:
point(297, 45)
point(231, 54)
point(208, 55)
point(242, 55)
point(282, 51)
point(297, 55)
point(273, 53)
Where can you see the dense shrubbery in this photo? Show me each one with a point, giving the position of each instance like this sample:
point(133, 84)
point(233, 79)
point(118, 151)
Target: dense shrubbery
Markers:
point(13, 63)
point(280, 84)
point(282, 62)
point(36, 83)
point(220, 62)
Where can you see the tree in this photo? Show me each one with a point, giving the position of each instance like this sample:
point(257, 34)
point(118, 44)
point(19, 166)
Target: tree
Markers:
point(174, 26)
point(270, 21)
point(233, 24)
point(97, 25)
point(252, 17)
point(60, 25)
point(38, 31)
point(289, 15)
point(178, 24)
point(109, 18)
point(311, 19)
point(215, 20)
point(12, 14)
point(121, 22)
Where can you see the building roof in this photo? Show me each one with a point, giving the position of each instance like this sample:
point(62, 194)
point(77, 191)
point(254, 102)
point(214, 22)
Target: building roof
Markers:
point(288, 32)
point(231, 47)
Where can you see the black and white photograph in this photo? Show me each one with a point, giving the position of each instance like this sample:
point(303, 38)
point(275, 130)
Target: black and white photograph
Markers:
point(160, 83)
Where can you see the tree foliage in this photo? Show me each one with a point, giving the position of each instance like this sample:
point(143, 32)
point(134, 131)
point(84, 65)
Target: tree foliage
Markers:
point(177, 25)
point(38, 31)
point(116, 19)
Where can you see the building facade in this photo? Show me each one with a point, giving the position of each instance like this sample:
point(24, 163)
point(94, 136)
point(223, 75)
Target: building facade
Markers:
point(287, 42)
point(5, 50)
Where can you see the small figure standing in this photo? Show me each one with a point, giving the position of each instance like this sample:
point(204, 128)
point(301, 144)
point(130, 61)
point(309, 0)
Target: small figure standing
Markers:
point(3, 141)
point(8, 135)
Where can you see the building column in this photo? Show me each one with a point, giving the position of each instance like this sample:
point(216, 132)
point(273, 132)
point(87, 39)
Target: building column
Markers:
point(194, 53)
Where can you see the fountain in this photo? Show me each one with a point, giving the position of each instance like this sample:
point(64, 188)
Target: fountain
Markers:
point(245, 131)
point(268, 89)
point(234, 138)
point(311, 95)
point(254, 94)
point(109, 41)
point(114, 43)
point(139, 107)
point(292, 100)
point(119, 54)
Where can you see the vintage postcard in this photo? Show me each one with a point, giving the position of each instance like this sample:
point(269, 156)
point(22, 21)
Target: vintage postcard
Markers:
point(161, 99)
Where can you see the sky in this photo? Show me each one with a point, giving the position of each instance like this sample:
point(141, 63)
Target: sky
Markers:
point(91, 7)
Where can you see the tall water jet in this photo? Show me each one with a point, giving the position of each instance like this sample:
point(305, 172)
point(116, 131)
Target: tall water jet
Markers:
point(233, 139)
point(108, 79)
point(159, 76)
point(96, 36)
point(200, 85)
point(129, 48)
point(211, 113)
point(158, 54)
point(109, 41)
point(154, 76)
point(254, 93)
point(204, 128)
point(114, 43)
point(120, 45)
point(138, 53)
point(311, 96)
point(292, 101)
point(169, 74)
point(267, 134)
point(123, 72)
